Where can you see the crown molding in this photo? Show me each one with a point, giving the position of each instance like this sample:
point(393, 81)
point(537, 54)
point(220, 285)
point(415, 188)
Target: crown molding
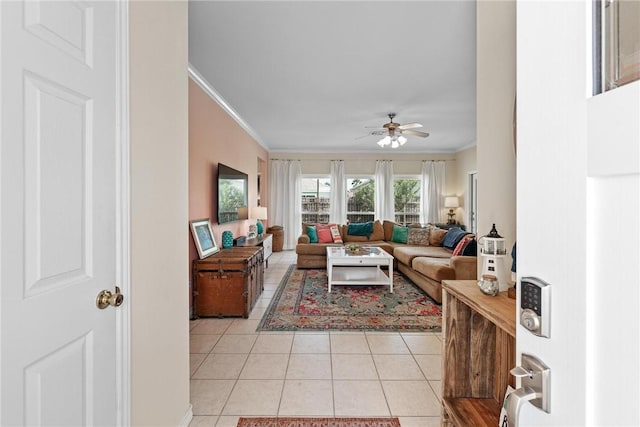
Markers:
point(464, 147)
point(213, 94)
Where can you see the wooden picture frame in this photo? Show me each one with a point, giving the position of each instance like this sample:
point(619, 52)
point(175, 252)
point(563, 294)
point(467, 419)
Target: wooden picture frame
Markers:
point(203, 237)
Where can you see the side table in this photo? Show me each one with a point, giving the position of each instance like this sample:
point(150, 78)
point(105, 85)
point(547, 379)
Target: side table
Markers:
point(478, 352)
point(228, 283)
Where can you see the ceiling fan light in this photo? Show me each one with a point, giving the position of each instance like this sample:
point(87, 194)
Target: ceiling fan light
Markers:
point(381, 142)
point(385, 141)
point(402, 140)
point(394, 143)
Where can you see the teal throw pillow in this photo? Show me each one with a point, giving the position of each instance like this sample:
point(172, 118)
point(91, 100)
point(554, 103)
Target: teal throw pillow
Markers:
point(400, 234)
point(363, 229)
point(312, 233)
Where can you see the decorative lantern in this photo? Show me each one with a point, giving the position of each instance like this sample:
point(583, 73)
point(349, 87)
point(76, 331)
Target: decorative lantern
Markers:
point(493, 252)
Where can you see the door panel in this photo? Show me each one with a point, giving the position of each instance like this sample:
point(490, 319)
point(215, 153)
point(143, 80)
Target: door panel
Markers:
point(70, 364)
point(57, 186)
point(578, 210)
point(58, 168)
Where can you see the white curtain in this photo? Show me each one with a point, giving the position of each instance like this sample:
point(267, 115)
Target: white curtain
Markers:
point(285, 196)
point(385, 208)
point(433, 176)
point(338, 202)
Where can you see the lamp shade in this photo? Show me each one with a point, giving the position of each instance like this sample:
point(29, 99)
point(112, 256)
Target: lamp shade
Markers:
point(451, 202)
point(260, 212)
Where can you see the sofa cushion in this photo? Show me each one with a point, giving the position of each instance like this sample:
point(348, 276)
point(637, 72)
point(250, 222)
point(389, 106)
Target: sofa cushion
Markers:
point(405, 254)
point(466, 267)
point(453, 236)
point(313, 249)
point(377, 234)
point(418, 236)
point(434, 268)
point(399, 234)
point(335, 234)
point(436, 235)
point(360, 229)
point(312, 233)
point(387, 227)
point(304, 227)
point(324, 233)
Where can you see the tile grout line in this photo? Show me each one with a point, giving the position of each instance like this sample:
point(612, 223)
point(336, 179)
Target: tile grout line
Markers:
point(274, 266)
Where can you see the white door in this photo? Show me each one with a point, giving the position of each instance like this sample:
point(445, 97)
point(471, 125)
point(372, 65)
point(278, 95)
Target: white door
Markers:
point(59, 100)
point(578, 221)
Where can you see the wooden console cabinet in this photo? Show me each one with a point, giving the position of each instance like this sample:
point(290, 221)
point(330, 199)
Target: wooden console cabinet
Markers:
point(229, 282)
point(478, 351)
point(266, 241)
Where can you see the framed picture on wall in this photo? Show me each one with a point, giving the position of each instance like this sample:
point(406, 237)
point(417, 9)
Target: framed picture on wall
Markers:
point(203, 237)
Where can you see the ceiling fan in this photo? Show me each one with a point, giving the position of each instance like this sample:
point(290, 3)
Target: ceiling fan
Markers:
point(394, 133)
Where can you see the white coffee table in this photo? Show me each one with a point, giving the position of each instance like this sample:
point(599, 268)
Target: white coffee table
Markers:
point(360, 268)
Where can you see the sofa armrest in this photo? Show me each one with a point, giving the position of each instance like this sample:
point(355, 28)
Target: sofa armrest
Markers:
point(466, 267)
point(304, 238)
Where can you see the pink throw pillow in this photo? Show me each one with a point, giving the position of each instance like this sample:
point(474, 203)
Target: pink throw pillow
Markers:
point(324, 233)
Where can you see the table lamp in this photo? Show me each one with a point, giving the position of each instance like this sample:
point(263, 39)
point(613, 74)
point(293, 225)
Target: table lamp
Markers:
point(260, 213)
point(451, 203)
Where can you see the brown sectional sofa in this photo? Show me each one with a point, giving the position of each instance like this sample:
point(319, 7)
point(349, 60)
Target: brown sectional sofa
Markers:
point(426, 266)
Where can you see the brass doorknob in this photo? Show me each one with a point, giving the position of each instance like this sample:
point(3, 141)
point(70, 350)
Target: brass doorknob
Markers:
point(106, 298)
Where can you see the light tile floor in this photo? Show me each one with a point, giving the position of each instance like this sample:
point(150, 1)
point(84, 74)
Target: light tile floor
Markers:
point(236, 371)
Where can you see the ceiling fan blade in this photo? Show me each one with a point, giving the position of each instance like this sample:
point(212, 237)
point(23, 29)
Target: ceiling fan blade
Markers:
point(415, 133)
point(373, 133)
point(409, 126)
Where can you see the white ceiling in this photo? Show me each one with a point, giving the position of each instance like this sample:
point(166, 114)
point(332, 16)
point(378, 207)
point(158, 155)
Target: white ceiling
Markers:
point(311, 75)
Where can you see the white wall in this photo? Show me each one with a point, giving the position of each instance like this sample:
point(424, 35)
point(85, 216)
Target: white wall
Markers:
point(159, 207)
point(466, 161)
point(495, 88)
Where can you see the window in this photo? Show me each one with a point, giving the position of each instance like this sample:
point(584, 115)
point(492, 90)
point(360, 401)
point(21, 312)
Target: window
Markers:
point(315, 199)
point(360, 199)
point(407, 199)
point(616, 36)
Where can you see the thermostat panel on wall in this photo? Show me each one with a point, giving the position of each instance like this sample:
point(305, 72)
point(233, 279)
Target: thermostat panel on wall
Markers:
point(535, 306)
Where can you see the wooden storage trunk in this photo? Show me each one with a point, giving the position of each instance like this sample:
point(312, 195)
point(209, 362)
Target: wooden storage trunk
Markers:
point(228, 283)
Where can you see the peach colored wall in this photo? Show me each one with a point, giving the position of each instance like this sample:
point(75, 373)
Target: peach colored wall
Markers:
point(214, 137)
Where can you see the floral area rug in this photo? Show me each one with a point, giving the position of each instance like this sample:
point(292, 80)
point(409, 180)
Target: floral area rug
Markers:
point(318, 422)
point(302, 302)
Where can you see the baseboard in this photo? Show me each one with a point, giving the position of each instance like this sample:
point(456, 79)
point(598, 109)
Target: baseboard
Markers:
point(186, 420)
